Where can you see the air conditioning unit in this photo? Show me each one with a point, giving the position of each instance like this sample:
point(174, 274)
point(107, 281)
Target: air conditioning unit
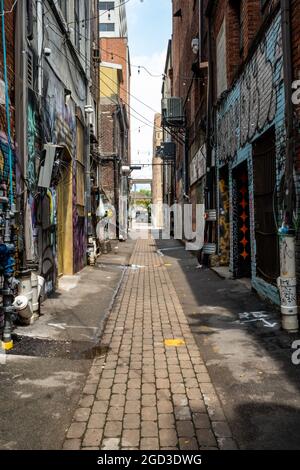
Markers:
point(168, 151)
point(172, 112)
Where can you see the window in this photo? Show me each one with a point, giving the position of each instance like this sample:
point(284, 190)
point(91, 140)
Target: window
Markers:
point(107, 27)
point(106, 6)
point(221, 60)
point(76, 23)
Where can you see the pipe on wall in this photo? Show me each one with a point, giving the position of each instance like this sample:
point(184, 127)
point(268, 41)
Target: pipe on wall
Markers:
point(287, 282)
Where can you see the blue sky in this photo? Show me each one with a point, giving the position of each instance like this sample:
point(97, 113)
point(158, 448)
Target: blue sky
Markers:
point(149, 24)
point(149, 29)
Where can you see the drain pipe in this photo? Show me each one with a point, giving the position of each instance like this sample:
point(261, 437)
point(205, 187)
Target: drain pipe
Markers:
point(287, 282)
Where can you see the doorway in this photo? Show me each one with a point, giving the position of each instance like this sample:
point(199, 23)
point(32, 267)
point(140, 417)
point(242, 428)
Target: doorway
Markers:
point(65, 221)
point(267, 246)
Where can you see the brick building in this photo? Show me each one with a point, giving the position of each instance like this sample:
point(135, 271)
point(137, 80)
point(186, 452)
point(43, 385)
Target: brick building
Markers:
point(114, 142)
point(295, 26)
point(186, 78)
point(114, 125)
point(157, 175)
point(250, 98)
point(240, 137)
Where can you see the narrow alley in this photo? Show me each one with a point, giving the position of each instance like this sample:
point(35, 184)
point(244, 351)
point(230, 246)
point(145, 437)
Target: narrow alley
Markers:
point(151, 390)
point(149, 230)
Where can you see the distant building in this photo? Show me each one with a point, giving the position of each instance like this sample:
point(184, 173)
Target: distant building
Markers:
point(114, 109)
point(112, 19)
point(157, 172)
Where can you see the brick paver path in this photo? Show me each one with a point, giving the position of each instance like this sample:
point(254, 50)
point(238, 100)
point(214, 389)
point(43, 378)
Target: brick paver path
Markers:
point(143, 394)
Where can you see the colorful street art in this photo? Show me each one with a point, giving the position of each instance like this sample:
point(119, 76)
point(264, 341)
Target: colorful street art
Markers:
point(224, 223)
point(255, 103)
point(55, 124)
point(252, 105)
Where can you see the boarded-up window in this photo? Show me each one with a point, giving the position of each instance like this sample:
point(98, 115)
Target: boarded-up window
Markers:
point(221, 60)
point(80, 170)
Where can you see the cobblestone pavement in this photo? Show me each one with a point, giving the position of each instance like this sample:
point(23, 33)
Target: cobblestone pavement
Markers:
point(144, 393)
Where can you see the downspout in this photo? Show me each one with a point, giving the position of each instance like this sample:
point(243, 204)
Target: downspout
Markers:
point(287, 282)
point(21, 98)
point(88, 11)
point(209, 195)
point(116, 193)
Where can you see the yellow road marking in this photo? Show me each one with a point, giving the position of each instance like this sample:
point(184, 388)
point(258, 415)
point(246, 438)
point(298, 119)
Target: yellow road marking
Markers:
point(174, 342)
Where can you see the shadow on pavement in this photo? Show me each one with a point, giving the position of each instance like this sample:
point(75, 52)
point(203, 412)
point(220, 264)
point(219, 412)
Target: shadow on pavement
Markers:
point(248, 358)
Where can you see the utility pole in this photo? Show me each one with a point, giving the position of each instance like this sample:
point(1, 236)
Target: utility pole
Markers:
point(287, 282)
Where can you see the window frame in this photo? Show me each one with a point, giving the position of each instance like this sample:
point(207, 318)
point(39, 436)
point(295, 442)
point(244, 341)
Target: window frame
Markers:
point(106, 3)
point(107, 30)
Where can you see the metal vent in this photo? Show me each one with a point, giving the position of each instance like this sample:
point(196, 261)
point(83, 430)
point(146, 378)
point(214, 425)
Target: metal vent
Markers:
point(30, 73)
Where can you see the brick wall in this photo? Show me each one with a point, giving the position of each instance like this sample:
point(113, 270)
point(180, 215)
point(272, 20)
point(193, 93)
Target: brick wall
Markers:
point(115, 50)
point(185, 29)
point(239, 123)
point(9, 29)
point(106, 129)
point(4, 149)
point(243, 21)
point(107, 181)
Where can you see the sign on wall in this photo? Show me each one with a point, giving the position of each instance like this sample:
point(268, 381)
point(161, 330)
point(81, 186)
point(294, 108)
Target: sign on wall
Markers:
point(198, 165)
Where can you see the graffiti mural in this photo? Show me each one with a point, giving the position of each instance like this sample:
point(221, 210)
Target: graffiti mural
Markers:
point(31, 133)
point(55, 124)
point(252, 105)
point(224, 223)
point(241, 223)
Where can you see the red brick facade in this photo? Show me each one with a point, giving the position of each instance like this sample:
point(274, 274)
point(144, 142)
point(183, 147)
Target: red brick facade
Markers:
point(243, 21)
point(9, 30)
point(189, 81)
point(115, 50)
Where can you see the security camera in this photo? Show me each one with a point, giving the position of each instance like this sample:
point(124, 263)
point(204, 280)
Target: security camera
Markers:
point(47, 51)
